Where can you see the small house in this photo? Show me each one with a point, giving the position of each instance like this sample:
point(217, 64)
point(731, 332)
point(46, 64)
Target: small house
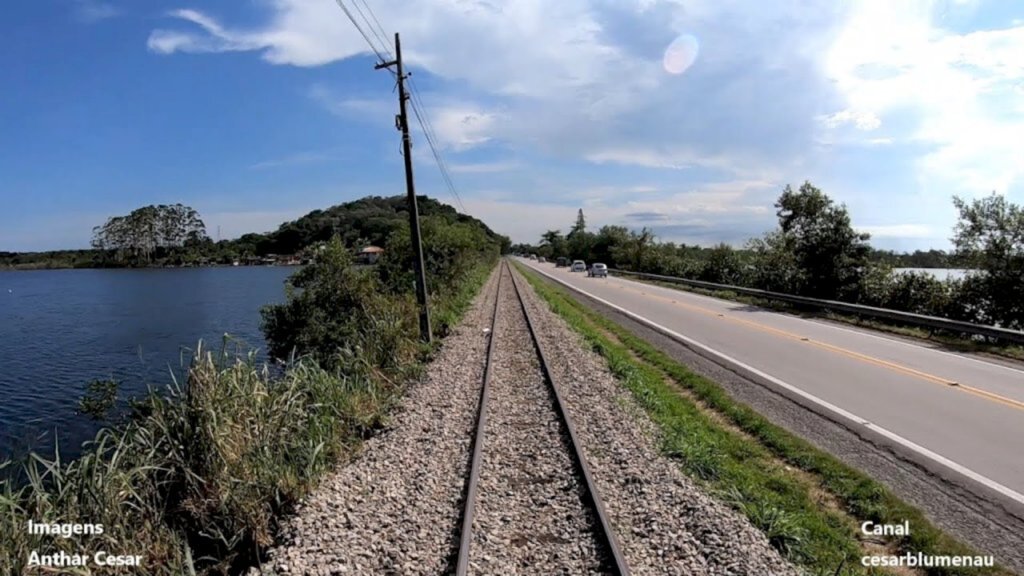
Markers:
point(370, 254)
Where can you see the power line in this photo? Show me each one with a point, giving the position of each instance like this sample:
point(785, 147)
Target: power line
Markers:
point(428, 132)
point(418, 108)
point(379, 30)
point(360, 29)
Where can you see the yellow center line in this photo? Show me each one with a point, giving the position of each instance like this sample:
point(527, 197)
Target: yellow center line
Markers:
point(837, 350)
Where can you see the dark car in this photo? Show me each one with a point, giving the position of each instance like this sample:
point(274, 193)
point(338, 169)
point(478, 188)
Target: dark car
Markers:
point(561, 262)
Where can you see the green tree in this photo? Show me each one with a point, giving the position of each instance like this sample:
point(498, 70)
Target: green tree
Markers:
point(340, 315)
point(635, 252)
point(608, 240)
point(773, 264)
point(579, 241)
point(450, 251)
point(917, 292)
point(581, 224)
point(828, 253)
point(552, 244)
point(722, 265)
point(989, 237)
point(151, 231)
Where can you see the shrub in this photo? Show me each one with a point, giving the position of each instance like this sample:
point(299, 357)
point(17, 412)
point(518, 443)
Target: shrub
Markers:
point(917, 292)
point(338, 313)
point(196, 477)
point(722, 265)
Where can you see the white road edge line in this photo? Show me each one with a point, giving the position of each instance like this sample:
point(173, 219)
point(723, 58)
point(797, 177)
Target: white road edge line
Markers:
point(983, 480)
point(666, 291)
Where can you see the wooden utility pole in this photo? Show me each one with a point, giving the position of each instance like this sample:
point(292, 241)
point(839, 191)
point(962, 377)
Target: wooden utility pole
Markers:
point(402, 123)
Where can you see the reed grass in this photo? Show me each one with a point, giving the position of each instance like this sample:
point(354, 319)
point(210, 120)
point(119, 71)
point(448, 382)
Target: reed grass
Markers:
point(197, 477)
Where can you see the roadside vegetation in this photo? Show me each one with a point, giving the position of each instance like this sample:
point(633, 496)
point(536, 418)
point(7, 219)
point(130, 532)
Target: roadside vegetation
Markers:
point(196, 478)
point(816, 252)
point(807, 503)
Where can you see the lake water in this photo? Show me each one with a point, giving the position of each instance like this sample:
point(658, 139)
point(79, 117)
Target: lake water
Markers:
point(940, 273)
point(62, 328)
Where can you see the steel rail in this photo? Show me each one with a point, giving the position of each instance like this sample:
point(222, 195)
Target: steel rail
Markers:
point(462, 567)
point(607, 531)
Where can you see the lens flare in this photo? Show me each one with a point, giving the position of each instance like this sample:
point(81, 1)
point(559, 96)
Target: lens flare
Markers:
point(680, 54)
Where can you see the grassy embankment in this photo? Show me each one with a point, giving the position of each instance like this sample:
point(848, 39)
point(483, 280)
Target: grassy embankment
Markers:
point(951, 341)
point(196, 479)
point(808, 503)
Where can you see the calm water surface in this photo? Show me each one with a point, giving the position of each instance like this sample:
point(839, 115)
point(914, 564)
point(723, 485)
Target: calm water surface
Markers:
point(62, 328)
point(940, 273)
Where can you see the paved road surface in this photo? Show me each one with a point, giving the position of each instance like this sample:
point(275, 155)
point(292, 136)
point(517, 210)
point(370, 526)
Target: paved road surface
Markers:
point(963, 414)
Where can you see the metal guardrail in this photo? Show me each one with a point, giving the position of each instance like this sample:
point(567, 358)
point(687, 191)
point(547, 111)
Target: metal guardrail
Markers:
point(1004, 334)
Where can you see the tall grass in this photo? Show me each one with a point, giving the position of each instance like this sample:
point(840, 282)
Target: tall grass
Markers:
point(202, 471)
point(197, 477)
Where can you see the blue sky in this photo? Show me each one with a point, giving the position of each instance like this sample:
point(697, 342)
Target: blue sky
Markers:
point(257, 112)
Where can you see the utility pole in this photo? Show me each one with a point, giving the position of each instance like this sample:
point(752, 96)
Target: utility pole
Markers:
point(402, 123)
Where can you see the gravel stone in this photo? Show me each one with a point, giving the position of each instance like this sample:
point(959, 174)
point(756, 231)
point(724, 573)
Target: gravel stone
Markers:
point(531, 514)
point(396, 508)
point(665, 523)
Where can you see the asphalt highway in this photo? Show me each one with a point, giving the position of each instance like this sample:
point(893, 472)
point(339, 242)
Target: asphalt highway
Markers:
point(962, 413)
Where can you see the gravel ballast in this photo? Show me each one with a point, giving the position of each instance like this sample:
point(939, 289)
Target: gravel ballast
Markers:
point(531, 514)
point(395, 509)
point(665, 523)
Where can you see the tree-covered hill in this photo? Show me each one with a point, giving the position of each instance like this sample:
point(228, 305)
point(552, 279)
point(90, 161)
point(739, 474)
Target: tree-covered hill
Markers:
point(369, 220)
point(144, 238)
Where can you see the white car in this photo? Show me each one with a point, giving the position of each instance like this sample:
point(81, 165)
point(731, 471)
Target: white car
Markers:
point(578, 266)
point(598, 271)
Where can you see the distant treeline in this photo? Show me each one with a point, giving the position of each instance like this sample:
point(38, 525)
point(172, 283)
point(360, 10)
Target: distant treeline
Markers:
point(175, 235)
point(916, 259)
point(816, 252)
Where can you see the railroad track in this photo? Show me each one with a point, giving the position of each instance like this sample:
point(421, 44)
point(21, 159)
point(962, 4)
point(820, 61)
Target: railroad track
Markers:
point(531, 502)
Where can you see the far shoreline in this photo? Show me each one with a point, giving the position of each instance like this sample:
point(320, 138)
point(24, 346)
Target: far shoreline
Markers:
point(38, 268)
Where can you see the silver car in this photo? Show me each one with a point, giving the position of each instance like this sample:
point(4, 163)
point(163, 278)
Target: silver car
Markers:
point(578, 266)
point(598, 271)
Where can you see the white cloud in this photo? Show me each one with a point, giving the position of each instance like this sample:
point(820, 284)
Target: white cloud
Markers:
point(521, 221)
point(291, 160)
point(352, 107)
point(463, 127)
point(213, 39)
point(650, 158)
point(898, 231)
point(445, 37)
point(731, 197)
point(862, 120)
point(570, 78)
point(724, 211)
point(482, 167)
point(91, 11)
point(892, 58)
point(582, 79)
